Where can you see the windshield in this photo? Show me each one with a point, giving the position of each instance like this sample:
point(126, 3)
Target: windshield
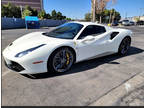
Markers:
point(125, 20)
point(65, 31)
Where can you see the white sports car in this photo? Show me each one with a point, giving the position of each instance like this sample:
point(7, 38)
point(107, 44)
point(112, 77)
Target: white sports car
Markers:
point(57, 50)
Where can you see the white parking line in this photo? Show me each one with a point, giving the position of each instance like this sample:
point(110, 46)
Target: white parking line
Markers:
point(5, 73)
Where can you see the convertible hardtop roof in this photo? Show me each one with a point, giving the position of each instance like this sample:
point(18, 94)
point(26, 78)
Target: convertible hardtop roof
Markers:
point(91, 23)
point(86, 23)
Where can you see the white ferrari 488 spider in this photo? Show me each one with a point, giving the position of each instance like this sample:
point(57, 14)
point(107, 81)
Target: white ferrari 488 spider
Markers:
point(57, 50)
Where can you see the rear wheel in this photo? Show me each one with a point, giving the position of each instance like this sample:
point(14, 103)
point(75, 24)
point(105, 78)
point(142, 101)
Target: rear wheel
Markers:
point(124, 46)
point(61, 60)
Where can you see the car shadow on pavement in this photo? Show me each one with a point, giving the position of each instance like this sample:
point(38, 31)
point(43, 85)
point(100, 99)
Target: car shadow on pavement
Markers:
point(86, 65)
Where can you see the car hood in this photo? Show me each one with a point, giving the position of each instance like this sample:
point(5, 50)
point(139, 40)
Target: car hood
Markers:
point(32, 40)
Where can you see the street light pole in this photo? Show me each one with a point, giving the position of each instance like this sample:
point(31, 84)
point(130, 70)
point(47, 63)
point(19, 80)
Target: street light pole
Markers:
point(141, 12)
point(21, 10)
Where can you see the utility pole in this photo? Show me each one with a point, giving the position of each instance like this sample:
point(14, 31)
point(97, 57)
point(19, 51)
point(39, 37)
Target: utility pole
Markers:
point(93, 10)
point(113, 17)
point(141, 9)
point(126, 15)
point(21, 10)
point(110, 16)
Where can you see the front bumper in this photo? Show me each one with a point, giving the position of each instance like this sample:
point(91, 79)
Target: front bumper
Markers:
point(24, 65)
point(14, 66)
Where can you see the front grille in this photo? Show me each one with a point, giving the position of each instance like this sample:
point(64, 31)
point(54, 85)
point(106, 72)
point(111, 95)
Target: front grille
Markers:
point(15, 66)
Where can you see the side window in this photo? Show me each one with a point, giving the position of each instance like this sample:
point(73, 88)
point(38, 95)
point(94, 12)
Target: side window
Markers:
point(87, 31)
point(100, 29)
point(92, 30)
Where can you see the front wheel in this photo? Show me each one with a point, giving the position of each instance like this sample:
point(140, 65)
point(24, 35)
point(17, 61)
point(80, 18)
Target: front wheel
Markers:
point(61, 60)
point(124, 46)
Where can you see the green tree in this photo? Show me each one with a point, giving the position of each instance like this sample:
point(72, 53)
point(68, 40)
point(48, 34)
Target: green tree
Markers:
point(54, 14)
point(109, 15)
point(64, 17)
point(10, 10)
point(33, 11)
point(98, 7)
point(69, 19)
point(88, 16)
point(4, 11)
point(48, 16)
point(16, 11)
point(59, 16)
point(106, 16)
point(42, 14)
point(117, 16)
point(137, 19)
point(26, 13)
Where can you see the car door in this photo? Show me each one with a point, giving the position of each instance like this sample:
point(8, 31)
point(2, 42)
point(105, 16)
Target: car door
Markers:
point(92, 46)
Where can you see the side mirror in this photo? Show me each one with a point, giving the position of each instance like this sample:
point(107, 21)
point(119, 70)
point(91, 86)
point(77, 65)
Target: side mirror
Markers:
point(88, 38)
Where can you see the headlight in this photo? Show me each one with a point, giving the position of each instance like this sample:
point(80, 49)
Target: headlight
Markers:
point(21, 54)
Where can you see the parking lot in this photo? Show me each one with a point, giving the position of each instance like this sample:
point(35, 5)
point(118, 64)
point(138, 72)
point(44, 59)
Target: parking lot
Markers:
point(84, 84)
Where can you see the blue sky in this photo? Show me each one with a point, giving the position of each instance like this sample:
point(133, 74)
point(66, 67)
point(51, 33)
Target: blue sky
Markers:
point(78, 8)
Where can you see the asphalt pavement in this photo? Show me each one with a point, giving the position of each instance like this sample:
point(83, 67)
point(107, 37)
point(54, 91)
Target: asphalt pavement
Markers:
point(83, 85)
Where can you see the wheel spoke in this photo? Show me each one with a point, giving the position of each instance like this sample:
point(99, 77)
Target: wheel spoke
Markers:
point(125, 46)
point(63, 60)
point(59, 66)
point(64, 54)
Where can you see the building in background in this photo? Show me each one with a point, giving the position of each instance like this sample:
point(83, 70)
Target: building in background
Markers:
point(138, 17)
point(36, 4)
point(135, 18)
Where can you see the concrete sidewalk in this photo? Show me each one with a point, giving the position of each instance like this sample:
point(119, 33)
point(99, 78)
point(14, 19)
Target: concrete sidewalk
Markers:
point(130, 93)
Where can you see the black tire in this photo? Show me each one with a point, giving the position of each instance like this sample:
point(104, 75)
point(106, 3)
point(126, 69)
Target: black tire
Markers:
point(67, 64)
point(124, 46)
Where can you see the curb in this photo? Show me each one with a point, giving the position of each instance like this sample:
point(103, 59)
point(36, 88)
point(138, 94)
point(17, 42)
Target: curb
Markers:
point(141, 26)
point(113, 97)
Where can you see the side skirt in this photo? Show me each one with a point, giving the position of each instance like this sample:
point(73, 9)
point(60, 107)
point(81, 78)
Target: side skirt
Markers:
point(97, 56)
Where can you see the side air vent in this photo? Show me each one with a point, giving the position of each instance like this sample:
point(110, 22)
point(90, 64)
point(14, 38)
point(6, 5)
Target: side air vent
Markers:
point(10, 44)
point(113, 35)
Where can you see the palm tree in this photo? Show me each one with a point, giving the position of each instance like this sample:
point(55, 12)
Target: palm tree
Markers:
point(98, 6)
point(110, 18)
point(93, 8)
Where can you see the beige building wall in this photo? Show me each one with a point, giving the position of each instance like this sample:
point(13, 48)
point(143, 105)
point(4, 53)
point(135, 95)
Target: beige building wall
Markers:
point(138, 17)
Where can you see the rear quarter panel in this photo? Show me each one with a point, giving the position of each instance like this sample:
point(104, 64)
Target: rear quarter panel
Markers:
point(118, 39)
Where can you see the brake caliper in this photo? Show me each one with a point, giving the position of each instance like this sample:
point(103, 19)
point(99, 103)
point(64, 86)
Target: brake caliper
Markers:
point(68, 58)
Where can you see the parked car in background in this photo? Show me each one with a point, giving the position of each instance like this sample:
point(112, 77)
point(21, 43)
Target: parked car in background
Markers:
point(132, 23)
point(115, 23)
point(126, 22)
point(140, 23)
point(32, 22)
point(120, 22)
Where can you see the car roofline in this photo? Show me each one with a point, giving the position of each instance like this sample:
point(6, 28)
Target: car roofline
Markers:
point(86, 23)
